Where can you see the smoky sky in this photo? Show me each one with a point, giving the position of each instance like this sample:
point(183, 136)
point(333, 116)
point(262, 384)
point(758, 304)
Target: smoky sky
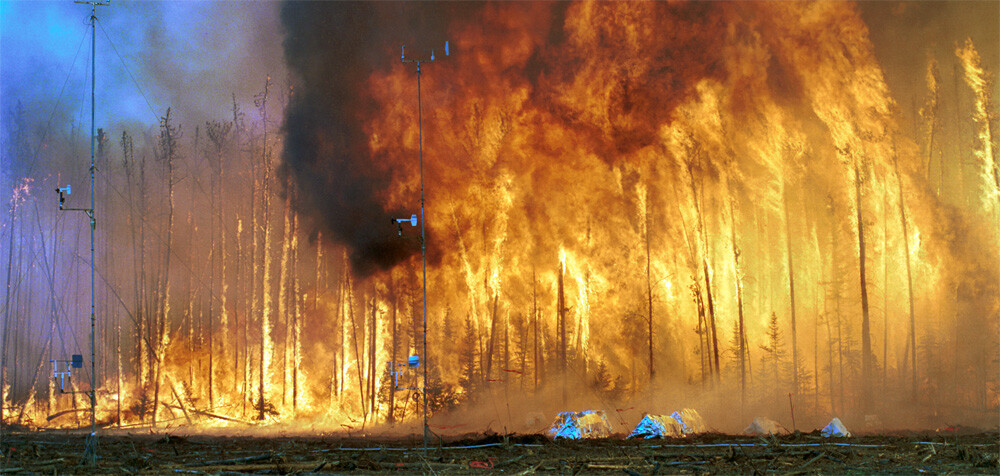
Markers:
point(192, 57)
point(331, 49)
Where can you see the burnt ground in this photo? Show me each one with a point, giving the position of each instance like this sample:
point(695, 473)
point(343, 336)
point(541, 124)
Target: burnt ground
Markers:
point(60, 452)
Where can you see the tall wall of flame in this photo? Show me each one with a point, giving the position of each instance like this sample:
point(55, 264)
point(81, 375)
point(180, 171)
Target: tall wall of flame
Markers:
point(584, 136)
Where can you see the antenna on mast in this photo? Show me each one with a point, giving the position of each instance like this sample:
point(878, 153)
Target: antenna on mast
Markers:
point(413, 221)
point(90, 453)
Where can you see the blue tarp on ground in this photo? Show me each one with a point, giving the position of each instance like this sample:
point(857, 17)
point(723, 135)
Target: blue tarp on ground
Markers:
point(835, 429)
point(657, 426)
point(677, 424)
point(690, 421)
point(579, 425)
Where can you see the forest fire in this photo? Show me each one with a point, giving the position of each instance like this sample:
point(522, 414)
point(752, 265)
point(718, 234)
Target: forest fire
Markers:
point(644, 205)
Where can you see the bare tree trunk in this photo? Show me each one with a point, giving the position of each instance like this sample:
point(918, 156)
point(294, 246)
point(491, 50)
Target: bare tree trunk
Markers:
point(741, 337)
point(138, 271)
point(885, 288)
point(319, 260)
point(168, 142)
point(816, 362)
point(373, 338)
point(240, 305)
point(53, 303)
point(649, 291)
point(118, 373)
point(866, 344)
point(791, 290)
point(189, 312)
point(296, 314)
point(534, 317)
point(695, 288)
point(506, 350)
point(836, 402)
point(359, 358)
point(218, 133)
point(266, 340)
point(338, 318)
point(7, 307)
point(240, 302)
point(714, 347)
point(929, 114)
point(255, 277)
point(523, 347)
point(393, 330)
point(561, 329)
point(960, 146)
point(909, 279)
point(283, 278)
point(489, 347)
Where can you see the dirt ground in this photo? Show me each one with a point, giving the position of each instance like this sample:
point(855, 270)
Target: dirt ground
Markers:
point(119, 452)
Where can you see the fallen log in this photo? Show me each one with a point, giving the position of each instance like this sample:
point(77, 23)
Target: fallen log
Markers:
point(607, 466)
point(210, 415)
point(223, 462)
point(66, 412)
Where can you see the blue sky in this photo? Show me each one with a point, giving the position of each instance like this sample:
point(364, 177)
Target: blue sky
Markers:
point(188, 55)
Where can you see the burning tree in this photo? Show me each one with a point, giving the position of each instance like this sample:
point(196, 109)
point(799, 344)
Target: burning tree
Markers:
point(581, 164)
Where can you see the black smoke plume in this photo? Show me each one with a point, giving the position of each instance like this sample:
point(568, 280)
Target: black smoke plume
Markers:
point(332, 48)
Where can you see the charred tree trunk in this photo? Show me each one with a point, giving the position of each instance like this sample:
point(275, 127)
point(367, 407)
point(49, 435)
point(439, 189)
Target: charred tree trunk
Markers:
point(929, 113)
point(338, 326)
point(319, 268)
point(909, 280)
point(213, 255)
point(283, 278)
point(741, 330)
point(358, 357)
point(189, 312)
point(713, 335)
point(391, 417)
point(239, 354)
point(866, 345)
point(266, 340)
point(139, 278)
point(7, 308)
point(373, 337)
point(489, 346)
point(218, 133)
point(168, 143)
point(960, 146)
point(791, 290)
point(534, 317)
point(885, 288)
point(53, 305)
point(506, 350)
point(694, 287)
point(255, 276)
point(561, 329)
point(649, 294)
point(836, 373)
point(296, 314)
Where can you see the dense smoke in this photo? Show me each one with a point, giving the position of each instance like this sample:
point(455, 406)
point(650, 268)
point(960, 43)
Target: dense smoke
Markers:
point(333, 48)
